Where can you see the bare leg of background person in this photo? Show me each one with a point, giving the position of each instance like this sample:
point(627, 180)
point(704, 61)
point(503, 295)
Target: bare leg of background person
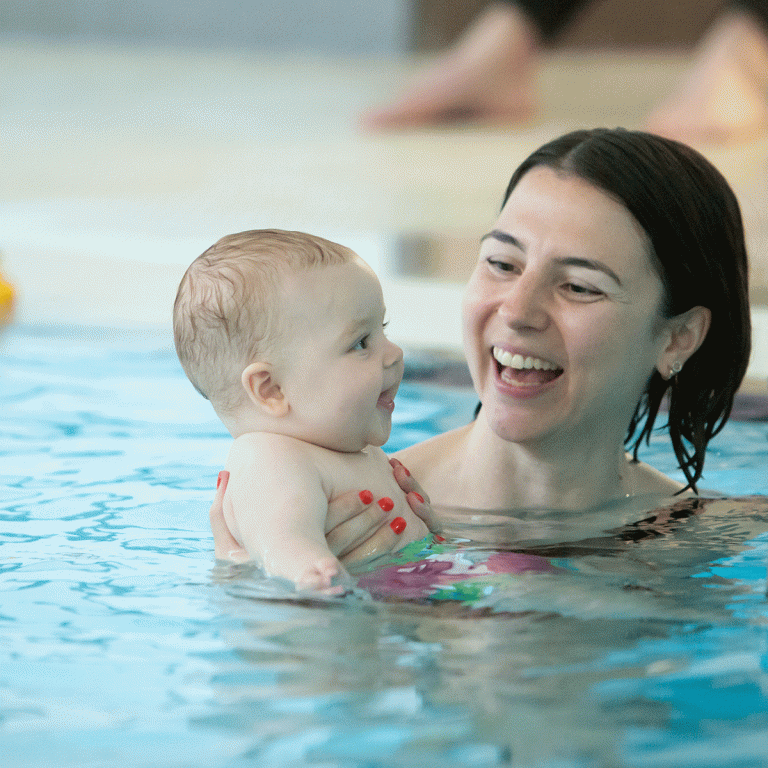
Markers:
point(488, 75)
point(723, 96)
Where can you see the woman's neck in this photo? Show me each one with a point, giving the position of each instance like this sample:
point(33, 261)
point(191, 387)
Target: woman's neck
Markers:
point(560, 474)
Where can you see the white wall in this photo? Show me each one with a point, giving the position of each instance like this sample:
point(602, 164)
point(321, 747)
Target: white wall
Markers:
point(332, 26)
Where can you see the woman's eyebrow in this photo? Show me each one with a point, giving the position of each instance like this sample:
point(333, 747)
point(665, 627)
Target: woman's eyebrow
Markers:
point(566, 261)
point(598, 266)
point(503, 237)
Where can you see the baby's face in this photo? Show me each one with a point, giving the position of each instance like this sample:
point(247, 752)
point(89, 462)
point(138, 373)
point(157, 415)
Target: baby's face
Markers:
point(337, 369)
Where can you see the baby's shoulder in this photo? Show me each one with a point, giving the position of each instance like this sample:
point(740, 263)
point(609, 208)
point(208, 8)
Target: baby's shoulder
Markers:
point(268, 446)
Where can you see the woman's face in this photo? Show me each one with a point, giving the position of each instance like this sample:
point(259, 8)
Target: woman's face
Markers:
point(562, 323)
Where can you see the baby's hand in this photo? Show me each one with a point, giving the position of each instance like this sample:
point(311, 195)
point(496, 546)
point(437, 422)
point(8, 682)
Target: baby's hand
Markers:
point(320, 577)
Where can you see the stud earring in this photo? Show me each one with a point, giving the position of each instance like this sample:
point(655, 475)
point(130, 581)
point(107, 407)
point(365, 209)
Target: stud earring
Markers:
point(677, 366)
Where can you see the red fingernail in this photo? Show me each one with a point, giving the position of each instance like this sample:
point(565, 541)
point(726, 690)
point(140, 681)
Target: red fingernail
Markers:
point(366, 497)
point(386, 504)
point(406, 470)
point(418, 496)
point(439, 538)
point(398, 525)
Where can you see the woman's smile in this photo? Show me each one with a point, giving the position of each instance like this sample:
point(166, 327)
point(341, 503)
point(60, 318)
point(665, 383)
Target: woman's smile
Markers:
point(523, 375)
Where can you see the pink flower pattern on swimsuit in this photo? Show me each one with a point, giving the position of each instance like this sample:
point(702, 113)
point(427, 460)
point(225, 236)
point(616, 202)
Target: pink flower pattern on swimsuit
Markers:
point(517, 562)
point(426, 577)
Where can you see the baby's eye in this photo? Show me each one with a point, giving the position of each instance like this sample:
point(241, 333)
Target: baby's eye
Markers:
point(360, 344)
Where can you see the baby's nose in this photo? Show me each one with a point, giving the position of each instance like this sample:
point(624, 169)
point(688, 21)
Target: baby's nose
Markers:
point(393, 354)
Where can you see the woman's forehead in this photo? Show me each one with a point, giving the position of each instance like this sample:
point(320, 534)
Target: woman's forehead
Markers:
point(572, 213)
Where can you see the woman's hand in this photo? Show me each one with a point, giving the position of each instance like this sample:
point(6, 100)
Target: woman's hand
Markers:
point(356, 526)
point(358, 529)
point(225, 545)
point(416, 495)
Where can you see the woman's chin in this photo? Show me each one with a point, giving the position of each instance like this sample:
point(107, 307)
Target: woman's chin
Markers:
point(516, 428)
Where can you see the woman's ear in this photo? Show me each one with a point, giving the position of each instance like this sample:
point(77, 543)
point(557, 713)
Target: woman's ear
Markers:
point(685, 334)
point(263, 389)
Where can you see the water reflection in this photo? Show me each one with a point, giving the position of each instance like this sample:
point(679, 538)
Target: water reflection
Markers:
point(608, 638)
point(616, 653)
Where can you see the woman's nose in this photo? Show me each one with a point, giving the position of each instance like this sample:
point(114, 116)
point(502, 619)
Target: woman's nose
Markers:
point(524, 305)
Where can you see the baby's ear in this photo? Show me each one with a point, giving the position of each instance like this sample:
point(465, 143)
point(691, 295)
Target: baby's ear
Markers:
point(263, 390)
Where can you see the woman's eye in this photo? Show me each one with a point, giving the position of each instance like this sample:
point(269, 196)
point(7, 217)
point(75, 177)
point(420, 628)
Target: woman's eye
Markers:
point(582, 290)
point(501, 266)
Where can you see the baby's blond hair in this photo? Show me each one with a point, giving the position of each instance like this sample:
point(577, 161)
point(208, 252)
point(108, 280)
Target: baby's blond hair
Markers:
point(225, 314)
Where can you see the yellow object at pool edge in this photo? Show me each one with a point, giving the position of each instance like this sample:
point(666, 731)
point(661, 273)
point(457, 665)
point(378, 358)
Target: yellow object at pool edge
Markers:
point(7, 296)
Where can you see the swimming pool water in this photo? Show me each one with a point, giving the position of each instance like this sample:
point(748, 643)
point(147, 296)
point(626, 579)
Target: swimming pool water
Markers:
point(122, 644)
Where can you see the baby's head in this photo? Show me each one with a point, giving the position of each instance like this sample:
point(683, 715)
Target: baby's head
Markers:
point(226, 312)
point(284, 332)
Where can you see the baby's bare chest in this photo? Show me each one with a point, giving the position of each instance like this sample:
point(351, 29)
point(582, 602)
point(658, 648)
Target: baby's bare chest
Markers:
point(369, 470)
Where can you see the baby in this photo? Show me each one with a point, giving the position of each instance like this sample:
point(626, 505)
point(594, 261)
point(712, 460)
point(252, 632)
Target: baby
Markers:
point(284, 333)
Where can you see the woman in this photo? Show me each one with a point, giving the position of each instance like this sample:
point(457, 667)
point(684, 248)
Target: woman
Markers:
point(615, 275)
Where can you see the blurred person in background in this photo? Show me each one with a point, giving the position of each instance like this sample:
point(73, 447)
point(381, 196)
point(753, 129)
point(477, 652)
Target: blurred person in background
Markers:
point(489, 74)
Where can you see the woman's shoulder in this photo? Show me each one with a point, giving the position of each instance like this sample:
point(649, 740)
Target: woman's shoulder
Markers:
point(652, 482)
point(647, 481)
point(437, 464)
point(746, 514)
point(436, 454)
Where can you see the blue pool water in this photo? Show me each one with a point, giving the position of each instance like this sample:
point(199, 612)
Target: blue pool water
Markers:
point(122, 644)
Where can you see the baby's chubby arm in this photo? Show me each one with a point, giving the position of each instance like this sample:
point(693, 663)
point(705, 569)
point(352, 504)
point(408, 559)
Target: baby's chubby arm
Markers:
point(275, 506)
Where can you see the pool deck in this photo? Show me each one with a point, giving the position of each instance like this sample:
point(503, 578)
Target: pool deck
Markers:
point(120, 165)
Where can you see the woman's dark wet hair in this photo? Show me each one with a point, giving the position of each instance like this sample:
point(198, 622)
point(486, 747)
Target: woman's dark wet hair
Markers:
point(693, 223)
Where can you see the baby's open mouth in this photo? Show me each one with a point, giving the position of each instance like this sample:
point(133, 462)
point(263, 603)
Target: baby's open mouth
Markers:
point(387, 399)
point(524, 370)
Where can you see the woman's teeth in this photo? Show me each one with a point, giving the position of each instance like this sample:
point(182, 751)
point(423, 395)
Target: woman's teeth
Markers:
point(508, 360)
